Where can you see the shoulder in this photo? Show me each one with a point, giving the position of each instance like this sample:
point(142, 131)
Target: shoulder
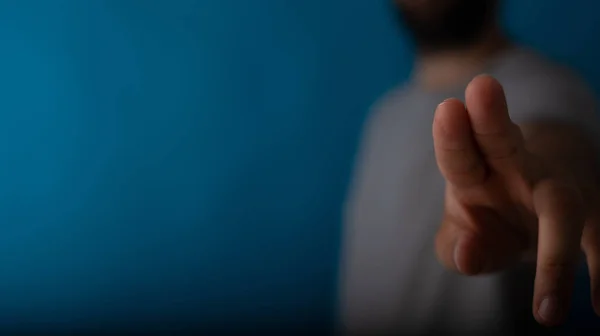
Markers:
point(391, 99)
point(531, 77)
point(386, 107)
point(537, 88)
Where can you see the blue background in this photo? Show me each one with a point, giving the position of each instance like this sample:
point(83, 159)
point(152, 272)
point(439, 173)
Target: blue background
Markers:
point(172, 163)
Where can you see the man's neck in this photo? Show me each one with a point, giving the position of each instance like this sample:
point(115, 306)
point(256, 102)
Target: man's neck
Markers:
point(446, 69)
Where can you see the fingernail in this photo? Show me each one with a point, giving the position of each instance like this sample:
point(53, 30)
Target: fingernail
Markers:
point(457, 258)
point(550, 310)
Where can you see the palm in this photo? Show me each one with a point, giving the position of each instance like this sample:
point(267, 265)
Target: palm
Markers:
point(502, 202)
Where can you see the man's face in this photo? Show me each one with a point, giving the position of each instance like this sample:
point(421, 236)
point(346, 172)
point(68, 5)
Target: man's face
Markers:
point(446, 24)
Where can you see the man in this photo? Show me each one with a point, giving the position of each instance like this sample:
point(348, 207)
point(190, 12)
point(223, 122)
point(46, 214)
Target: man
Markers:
point(517, 196)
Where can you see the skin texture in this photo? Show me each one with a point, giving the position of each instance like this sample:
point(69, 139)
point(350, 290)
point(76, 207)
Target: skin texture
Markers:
point(515, 193)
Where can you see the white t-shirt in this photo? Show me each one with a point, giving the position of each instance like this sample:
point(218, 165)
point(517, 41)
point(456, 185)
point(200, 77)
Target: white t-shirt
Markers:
point(391, 282)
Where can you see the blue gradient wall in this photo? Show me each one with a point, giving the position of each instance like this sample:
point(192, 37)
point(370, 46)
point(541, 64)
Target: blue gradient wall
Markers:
point(184, 162)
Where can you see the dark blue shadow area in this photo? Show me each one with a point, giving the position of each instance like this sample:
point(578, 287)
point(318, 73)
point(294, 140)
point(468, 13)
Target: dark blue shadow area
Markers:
point(582, 320)
point(179, 164)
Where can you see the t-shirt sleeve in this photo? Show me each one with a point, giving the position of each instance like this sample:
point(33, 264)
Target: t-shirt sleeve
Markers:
point(560, 97)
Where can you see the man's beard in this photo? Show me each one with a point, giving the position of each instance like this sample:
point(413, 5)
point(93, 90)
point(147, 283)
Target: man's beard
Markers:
point(453, 24)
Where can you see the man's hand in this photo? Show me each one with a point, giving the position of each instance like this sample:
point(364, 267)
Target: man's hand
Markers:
point(512, 197)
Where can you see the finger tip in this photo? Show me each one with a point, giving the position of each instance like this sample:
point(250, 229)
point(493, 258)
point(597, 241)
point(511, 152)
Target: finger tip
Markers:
point(552, 307)
point(467, 256)
point(449, 106)
point(451, 101)
point(548, 324)
point(482, 92)
point(451, 117)
point(549, 312)
point(483, 80)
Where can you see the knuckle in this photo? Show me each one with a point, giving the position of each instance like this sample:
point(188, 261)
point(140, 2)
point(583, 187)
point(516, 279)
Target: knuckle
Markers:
point(466, 179)
point(465, 171)
point(555, 267)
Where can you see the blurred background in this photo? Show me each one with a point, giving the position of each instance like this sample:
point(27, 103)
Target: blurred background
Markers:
point(181, 163)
